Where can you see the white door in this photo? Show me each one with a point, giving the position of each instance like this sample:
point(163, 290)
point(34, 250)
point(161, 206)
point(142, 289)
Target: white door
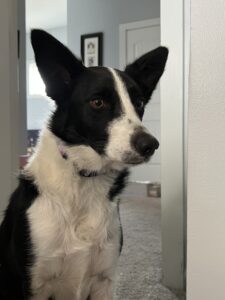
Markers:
point(135, 40)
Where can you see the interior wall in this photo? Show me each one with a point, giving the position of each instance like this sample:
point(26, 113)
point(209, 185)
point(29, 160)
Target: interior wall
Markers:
point(38, 107)
point(206, 153)
point(172, 145)
point(9, 106)
point(85, 16)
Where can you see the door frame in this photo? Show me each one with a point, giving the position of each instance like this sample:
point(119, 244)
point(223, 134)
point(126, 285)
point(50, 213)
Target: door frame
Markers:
point(123, 28)
point(9, 106)
point(175, 34)
point(173, 154)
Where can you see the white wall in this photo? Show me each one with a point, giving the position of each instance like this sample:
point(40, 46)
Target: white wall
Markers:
point(172, 145)
point(46, 13)
point(88, 16)
point(9, 132)
point(206, 153)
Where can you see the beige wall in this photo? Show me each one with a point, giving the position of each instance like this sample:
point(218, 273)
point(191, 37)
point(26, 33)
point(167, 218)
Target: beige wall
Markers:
point(206, 153)
point(9, 146)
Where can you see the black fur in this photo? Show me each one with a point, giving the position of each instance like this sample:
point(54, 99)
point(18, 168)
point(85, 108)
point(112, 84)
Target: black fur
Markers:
point(15, 244)
point(58, 67)
point(76, 122)
point(147, 70)
point(72, 86)
point(119, 184)
point(121, 227)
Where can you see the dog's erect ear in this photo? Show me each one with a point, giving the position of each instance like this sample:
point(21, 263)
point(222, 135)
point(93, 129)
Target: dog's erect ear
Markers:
point(147, 70)
point(57, 65)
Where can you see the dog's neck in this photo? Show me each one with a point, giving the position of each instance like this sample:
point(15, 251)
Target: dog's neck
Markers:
point(82, 172)
point(55, 165)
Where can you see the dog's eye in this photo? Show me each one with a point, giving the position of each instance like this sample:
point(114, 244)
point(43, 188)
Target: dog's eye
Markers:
point(98, 104)
point(140, 104)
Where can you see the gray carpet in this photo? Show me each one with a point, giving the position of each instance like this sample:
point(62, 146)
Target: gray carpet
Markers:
point(139, 271)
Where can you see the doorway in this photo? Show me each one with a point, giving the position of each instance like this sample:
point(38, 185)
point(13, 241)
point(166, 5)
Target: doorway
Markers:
point(38, 123)
point(136, 39)
point(168, 170)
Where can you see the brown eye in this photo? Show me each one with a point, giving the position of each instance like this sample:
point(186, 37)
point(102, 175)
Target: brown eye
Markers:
point(140, 104)
point(97, 104)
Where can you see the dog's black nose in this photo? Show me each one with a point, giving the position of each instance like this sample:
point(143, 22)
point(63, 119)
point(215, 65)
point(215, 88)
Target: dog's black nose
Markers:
point(145, 144)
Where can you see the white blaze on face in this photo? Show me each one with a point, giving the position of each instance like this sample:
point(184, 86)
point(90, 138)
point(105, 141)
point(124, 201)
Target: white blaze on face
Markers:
point(127, 106)
point(122, 128)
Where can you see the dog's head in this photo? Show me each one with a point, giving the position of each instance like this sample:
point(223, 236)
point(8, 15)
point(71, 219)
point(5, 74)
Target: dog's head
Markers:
point(99, 108)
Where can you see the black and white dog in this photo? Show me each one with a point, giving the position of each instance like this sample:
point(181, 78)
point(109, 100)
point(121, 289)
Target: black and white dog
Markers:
point(60, 237)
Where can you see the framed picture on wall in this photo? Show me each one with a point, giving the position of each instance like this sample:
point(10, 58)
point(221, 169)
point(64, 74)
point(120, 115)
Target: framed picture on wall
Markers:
point(91, 49)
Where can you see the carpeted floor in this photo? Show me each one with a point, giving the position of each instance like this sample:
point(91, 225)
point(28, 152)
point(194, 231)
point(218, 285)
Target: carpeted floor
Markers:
point(139, 271)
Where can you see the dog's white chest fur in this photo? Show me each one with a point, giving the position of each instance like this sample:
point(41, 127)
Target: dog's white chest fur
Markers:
point(71, 250)
point(74, 230)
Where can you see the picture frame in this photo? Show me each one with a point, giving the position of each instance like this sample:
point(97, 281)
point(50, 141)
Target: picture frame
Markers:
point(92, 49)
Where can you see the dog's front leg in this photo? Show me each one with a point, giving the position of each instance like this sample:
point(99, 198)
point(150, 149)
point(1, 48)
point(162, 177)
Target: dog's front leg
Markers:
point(102, 288)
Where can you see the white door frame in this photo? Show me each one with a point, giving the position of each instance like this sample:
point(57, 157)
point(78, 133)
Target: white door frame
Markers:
point(173, 154)
point(175, 29)
point(123, 28)
point(153, 168)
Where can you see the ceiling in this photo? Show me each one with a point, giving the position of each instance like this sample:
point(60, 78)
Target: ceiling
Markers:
point(46, 13)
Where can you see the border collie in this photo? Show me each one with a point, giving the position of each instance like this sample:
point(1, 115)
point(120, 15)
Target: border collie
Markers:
point(60, 237)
